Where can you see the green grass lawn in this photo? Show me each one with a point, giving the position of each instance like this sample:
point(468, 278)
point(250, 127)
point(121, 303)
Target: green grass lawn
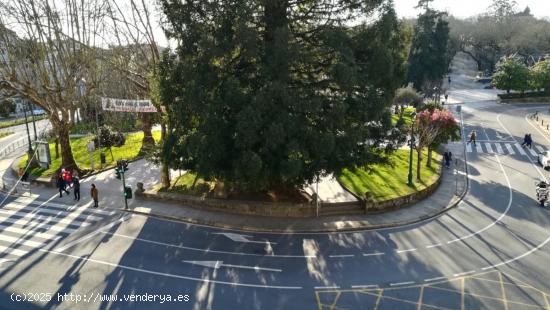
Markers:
point(184, 185)
point(5, 134)
point(19, 121)
point(387, 181)
point(129, 150)
point(406, 116)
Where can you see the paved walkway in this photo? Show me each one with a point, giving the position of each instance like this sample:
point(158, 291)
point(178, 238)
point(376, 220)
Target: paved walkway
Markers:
point(453, 183)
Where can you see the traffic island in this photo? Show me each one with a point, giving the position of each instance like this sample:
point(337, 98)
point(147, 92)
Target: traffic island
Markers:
point(309, 209)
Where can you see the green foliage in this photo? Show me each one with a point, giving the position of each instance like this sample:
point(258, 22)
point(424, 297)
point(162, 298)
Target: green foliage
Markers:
point(109, 138)
point(408, 96)
point(540, 76)
point(7, 106)
point(130, 151)
point(429, 57)
point(261, 98)
point(511, 75)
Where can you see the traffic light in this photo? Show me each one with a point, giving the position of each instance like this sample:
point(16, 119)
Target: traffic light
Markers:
point(122, 165)
point(128, 192)
point(118, 174)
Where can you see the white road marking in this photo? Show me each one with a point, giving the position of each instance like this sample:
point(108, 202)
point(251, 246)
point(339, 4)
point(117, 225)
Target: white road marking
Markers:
point(341, 256)
point(489, 148)
point(326, 287)
point(6, 250)
point(533, 152)
point(90, 235)
point(16, 241)
point(365, 286)
point(517, 257)
point(169, 275)
point(520, 149)
point(35, 232)
point(216, 264)
point(433, 245)
point(499, 149)
point(435, 279)
point(32, 217)
point(478, 148)
point(57, 212)
point(38, 225)
point(242, 238)
point(205, 250)
point(510, 149)
point(541, 150)
point(468, 148)
point(27, 200)
point(510, 199)
point(463, 273)
point(402, 283)
point(405, 251)
point(374, 254)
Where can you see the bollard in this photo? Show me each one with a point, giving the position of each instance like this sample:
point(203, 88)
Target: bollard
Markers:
point(542, 122)
point(547, 127)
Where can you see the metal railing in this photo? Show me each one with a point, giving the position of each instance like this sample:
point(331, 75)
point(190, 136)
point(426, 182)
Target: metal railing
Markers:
point(13, 186)
point(12, 147)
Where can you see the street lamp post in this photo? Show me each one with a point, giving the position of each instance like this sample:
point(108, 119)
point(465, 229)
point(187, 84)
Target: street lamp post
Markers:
point(411, 145)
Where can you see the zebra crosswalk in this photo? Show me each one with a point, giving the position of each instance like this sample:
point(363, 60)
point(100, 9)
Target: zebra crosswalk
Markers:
point(502, 148)
point(27, 225)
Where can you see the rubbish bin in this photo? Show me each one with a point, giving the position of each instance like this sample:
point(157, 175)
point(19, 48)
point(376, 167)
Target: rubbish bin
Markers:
point(102, 158)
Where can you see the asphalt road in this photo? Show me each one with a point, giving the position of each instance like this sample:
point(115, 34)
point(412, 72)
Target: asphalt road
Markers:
point(20, 132)
point(491, 252)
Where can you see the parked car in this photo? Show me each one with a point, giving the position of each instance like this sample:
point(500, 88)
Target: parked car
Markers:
point(544, 159)
point(38, 112)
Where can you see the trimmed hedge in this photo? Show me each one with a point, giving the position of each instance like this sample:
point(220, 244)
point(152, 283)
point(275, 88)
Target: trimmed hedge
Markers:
point(534, 94)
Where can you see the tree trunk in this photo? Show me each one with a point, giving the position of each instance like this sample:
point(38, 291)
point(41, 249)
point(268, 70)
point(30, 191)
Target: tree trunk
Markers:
point(429, 161)
point(418, 164)
point(147, 127)
point(56, 148)
point(164, 168)
point(67, 158)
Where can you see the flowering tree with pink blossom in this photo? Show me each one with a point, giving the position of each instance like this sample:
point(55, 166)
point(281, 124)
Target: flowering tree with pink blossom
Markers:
point(433, 127)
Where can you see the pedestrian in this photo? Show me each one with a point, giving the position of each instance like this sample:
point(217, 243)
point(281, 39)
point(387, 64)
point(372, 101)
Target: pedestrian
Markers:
point(95, 195)
point(450, 157)
point(61, 185)
point(529, 141)
point(67, 177)
point(449, 79)
point(446, 97)
point(525, 139)
point(473, 137)
point(76, 185)
point(447, 159)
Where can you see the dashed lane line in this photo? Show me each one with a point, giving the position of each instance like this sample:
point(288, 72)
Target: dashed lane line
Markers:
point(405, 251)
point(463, 273)
point(402, 283)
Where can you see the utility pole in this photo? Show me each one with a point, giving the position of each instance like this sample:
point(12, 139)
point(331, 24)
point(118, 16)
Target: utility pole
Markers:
point(28, 133)
point(33, 123)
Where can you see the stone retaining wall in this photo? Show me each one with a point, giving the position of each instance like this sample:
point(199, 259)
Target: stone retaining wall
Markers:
point(287, 210)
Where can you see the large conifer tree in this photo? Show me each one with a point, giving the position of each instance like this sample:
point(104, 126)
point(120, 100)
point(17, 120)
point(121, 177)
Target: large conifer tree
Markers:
point(271, 93)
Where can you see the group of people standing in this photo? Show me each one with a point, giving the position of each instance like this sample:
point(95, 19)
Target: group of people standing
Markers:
point(66, 180)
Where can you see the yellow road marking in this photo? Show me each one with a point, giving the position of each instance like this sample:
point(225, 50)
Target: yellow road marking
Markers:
point(420, 298)
point(378, 299)
point(462, 293)
point(331, 307)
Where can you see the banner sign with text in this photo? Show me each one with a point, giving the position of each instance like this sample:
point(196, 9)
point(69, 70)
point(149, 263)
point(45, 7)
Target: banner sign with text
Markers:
point(128, 105)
